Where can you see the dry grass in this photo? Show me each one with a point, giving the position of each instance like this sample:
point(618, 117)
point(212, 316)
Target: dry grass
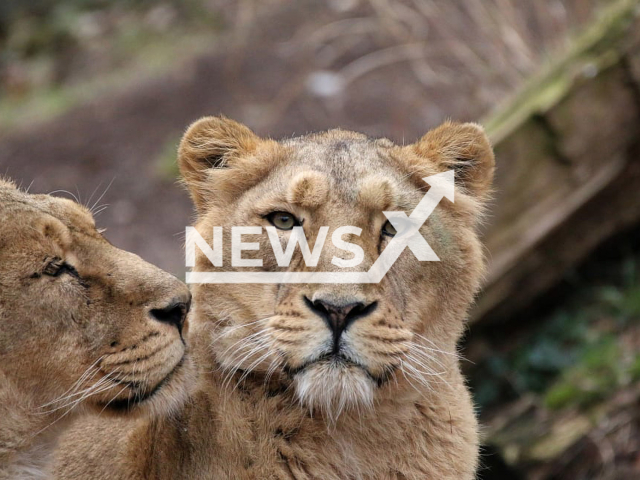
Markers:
point(445, 58)
point(449, 57)
point(493, 44)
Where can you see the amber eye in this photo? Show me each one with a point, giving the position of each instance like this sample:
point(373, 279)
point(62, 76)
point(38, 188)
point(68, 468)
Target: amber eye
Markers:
point(283, 220)
point(388, 229)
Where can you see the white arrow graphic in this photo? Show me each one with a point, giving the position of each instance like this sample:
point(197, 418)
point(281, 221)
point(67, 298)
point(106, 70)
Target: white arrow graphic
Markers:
point(408, 228)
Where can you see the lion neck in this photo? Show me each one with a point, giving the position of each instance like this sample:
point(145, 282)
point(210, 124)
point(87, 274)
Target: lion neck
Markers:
point(28, 435)
point(267, 425)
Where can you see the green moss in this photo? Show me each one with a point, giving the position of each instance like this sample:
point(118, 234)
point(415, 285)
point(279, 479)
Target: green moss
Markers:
point(634, 369)
point(598, 372)
point(594, 51)
point(561, 395)
point(576, 356)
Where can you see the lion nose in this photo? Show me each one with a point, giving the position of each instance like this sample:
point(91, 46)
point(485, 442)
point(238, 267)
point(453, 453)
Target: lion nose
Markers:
point(174, 313)
point(339, 317)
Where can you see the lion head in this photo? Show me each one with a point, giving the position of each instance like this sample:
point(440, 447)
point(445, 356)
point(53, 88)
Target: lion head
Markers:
point(84, 324)
point(338, 346)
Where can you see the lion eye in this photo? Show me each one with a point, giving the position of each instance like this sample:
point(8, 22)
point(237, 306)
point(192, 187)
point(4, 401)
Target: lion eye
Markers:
point(283, 220)
point(388, 229)
point(56, 267)
point(53, 267)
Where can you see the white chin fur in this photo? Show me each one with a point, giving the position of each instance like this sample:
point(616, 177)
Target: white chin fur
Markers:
point(334, 388)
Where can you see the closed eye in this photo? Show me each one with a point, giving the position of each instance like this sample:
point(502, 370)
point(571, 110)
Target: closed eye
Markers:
point(56, 267)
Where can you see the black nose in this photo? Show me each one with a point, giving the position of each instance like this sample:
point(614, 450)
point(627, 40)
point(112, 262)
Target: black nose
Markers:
point(339, 317)
point(175, 313)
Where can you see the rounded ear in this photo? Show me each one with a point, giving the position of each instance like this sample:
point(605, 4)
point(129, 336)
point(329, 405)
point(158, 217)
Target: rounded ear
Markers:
point(208, 144)
point(463, 147)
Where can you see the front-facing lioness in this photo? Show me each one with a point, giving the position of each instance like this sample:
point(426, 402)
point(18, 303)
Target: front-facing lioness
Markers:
point(326, 381)
point(83, 326)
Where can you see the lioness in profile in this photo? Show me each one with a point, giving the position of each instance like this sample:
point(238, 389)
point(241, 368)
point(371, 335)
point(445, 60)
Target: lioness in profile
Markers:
point(318, 381)
point(83, 326)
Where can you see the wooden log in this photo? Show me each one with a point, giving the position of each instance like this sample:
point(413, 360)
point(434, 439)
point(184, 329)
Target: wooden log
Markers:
point(568, 164)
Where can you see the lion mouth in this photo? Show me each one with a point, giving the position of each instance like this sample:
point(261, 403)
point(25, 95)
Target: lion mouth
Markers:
point(341, 361)
point(139, 394)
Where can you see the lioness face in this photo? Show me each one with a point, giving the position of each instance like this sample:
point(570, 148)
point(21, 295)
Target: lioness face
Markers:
point(82, 322)
point(339, 345)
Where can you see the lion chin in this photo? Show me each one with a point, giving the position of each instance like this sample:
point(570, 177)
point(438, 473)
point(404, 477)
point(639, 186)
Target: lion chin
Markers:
point(333, 387)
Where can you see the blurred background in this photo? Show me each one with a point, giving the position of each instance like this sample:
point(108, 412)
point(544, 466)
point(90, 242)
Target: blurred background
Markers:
point(95, 94)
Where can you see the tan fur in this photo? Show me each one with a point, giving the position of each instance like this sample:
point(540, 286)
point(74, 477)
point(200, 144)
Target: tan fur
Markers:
point(269, 403)
point(376, 194)
point(463, 147)
point(75, 340)
point(308, 189)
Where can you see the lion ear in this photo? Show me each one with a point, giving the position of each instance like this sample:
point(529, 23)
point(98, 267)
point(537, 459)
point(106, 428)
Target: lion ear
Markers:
point(208, 144)
point(463, 147)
